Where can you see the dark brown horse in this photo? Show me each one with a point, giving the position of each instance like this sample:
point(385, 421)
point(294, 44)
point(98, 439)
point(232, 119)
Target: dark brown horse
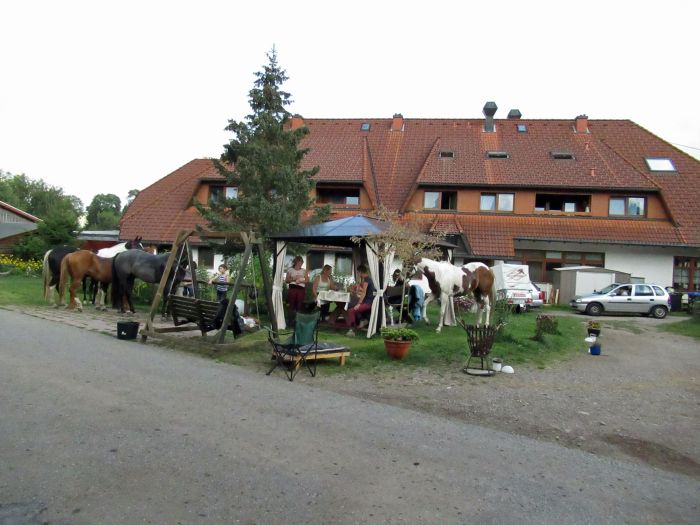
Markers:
point(76, 266)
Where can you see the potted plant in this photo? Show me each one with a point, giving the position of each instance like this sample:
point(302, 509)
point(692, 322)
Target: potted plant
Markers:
point(398, 340)
point(593, 328)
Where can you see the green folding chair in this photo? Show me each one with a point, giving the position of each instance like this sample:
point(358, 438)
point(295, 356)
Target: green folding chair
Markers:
point(300, 349)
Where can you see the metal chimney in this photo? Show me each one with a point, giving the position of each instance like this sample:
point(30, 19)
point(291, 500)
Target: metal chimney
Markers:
point(514, 114)
point(489, 111)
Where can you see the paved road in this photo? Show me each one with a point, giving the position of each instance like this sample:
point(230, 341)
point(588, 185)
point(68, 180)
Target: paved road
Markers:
point(95, 430)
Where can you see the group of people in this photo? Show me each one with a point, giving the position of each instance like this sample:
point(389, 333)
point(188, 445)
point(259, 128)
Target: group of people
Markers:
point(361, 294)
point(297, 279)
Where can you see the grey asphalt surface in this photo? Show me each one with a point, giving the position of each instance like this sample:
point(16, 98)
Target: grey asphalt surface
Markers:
point(94, 430)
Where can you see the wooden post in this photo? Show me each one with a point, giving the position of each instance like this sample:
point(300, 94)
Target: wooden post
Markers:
point(181, 237)
point(219, 337)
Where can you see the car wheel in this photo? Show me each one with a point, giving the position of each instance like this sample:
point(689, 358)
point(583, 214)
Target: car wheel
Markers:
point(659, 312)
point(594, 309)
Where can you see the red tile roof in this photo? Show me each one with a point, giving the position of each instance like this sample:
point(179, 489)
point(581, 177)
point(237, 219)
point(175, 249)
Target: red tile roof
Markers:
point(160, 211)
point(391, 165)
point(495, 235)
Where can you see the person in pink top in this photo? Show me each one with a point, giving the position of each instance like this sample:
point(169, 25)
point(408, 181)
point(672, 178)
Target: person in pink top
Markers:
point(296, 279)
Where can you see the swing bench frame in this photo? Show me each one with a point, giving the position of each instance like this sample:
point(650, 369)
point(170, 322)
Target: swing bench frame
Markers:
point(199, 311)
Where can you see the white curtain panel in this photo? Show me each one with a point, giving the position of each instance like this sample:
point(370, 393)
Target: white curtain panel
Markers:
point(277, 283)
point(377, 303)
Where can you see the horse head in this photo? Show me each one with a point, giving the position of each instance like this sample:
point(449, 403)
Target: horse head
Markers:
point(135, 244)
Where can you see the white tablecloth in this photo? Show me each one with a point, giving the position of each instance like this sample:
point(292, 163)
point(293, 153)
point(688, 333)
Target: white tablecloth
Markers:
point(331, 296)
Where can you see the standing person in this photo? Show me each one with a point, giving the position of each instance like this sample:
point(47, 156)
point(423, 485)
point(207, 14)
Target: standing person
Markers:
point(221, 281)
point(364, 295)
point(297, 278)
point(187, 289)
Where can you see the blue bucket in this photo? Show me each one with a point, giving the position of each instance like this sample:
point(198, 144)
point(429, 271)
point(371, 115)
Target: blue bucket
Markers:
point(595, 349)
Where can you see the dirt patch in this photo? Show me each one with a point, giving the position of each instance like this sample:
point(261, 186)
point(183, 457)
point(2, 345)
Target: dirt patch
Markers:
point(639, 400)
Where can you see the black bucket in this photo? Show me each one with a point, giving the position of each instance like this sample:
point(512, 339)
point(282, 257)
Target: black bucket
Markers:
point(127, 329)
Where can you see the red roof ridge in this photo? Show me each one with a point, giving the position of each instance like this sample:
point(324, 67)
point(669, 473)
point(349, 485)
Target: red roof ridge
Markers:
point(373, 188)
point(414, 186)
point(19, 212)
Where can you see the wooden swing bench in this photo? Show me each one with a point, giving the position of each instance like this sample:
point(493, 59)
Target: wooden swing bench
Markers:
point(188, 310)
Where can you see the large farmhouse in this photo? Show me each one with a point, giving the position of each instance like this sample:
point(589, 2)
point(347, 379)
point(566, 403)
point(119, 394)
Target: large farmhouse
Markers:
point(547, 193)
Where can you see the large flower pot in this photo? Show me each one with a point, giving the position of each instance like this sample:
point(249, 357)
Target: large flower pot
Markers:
point(396, 349)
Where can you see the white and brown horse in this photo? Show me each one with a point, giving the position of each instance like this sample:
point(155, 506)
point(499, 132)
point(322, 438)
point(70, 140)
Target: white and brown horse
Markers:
point(447, 281)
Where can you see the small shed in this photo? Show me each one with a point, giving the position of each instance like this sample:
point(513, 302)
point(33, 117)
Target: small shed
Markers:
point(583, 280)
point(14, 223)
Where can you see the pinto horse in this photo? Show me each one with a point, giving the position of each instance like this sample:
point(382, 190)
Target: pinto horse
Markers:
point(51, 268)
point(447, 281)
point(133, 264)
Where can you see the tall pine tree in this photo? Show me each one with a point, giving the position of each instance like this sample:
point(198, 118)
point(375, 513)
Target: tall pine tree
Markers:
point(264, 161)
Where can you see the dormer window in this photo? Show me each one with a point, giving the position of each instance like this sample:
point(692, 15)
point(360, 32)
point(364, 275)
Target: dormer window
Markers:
point(217, 193)
point(562, 155)
point(447, 154)
point(338, 196)
point(497, 155)
point(660, 164)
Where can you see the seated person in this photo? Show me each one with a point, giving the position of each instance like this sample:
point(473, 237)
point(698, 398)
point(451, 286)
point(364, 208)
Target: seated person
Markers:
point(324, 282)
point(363, 295)
point(625, 290)
point(397, 277)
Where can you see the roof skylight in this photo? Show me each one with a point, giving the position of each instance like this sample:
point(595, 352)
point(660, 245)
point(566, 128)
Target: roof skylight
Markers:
point(660, 164)
point(497, 154)
point(364, 126)
point(522, 128)
point(562, 155)
point(447, 154)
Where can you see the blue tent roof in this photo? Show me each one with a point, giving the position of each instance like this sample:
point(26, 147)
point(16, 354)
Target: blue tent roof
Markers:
point(334, 233)
point(339, 232)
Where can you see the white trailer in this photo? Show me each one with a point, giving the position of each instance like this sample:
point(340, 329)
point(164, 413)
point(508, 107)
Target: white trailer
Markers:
point(513, 282)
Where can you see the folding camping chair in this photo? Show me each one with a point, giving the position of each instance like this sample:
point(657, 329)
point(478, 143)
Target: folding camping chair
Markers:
point(300, 349)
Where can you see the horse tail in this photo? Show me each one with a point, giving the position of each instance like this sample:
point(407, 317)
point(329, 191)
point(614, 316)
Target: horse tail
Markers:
point(116, 285)
point(46, 275)
point(63, 278)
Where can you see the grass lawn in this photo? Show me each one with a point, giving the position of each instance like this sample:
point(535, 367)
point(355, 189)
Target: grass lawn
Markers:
point(447, 350)
point(689, 327)
point(21, 289)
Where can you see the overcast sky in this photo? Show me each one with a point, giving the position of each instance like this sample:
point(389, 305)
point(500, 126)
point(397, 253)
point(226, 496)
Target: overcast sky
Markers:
point(105, 97)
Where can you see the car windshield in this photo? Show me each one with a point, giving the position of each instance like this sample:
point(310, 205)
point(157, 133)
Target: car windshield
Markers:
point(607, 289)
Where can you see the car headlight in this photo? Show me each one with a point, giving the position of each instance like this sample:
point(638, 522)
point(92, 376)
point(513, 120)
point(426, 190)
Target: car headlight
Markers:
point(579, 300)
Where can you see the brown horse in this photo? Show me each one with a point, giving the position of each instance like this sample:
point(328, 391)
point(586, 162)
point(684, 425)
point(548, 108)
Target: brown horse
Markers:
point(77, 265)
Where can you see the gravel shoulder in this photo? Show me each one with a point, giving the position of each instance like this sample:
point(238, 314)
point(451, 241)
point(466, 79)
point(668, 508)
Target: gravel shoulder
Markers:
point(639, 401)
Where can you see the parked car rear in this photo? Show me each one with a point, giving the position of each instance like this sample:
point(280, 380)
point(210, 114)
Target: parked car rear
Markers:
point(537, 296)
point(646, 299)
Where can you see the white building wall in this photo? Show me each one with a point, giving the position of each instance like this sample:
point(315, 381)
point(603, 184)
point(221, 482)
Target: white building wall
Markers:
point(655, 268)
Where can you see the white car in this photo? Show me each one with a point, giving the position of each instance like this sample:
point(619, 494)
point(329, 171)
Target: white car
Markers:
point(646, 299)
